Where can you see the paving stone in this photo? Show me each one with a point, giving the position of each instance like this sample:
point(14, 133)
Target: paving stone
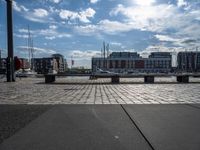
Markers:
point(81, 90)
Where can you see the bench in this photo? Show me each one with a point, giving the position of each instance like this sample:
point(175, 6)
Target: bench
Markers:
point(115, 78)
point(49, 78)
point(148, 78)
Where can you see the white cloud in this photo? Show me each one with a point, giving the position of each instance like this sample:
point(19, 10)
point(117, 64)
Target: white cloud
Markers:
point(83, 16)
point(52, 34)
point(181, 41)
point(40, 13)
point(195, 14)
point(114, 26)
point(24, 31)
point(88, 13)
point(87, 29)
point(52, 37)
point(55, 1)
point(149, 19)
point(93, 1)
point(160, 18)
point(67, 14)
point(158, 48)
point(18, 7)
point(81, 57)
point(53, 27)
point(38, 51)
point(48, 34)
point(25, 36)
point(106, 26)
point(166, 38)
point(181, 3)
point(144, 2)
point(36, 15)
point(85, 54)
point(116, 44)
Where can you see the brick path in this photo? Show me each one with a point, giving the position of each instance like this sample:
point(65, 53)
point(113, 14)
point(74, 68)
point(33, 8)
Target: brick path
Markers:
point(83, 91)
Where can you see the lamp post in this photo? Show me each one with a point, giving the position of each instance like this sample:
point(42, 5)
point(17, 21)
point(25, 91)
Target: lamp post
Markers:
point(0, 59)
point(10, 58)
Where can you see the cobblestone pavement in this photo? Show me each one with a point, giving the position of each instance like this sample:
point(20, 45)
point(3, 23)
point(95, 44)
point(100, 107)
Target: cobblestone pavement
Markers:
point(76, 90)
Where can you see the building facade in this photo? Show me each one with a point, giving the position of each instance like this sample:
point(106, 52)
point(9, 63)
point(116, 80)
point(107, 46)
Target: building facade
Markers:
point(24, 63)
point(132, 62)
point(2, 65)
point(188, 61)
point(45, 65)
point(65, 65)
point(60, 61)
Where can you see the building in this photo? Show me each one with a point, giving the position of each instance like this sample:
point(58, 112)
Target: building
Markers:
point(160, 55)
point(132, 62)
point(159, 62)
point(60, 61)
point(65, 65)
point(54, 64)
point(45, 65)
point(24, 63)
point(188, 61)
point(2, 65)
point(124, 55)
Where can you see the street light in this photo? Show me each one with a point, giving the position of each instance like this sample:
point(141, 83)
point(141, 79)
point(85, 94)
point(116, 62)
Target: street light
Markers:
point(10, 58)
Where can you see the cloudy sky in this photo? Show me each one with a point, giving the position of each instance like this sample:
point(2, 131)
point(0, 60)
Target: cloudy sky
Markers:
point(78, 27)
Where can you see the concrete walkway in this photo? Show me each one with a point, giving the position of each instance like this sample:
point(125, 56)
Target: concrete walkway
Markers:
point(106, 127)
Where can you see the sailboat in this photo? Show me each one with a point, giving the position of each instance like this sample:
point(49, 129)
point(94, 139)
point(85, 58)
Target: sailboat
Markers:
point(28, 72)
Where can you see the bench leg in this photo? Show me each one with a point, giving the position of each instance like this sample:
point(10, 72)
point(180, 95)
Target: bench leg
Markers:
point(50, 79)
point(182, 79)
point(148, 79)
point(93, 77)
point(115, 79)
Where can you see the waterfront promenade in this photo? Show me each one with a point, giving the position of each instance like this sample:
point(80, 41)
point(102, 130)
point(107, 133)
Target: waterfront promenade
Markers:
point(160, 116)
point(81, 90)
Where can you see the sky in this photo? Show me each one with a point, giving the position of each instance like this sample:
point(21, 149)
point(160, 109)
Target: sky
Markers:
point(77, 28)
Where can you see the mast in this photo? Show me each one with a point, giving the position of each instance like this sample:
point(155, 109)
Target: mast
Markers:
point(107, 49)
point(195, 63)
point(32, 54)
point(104, 54)
point(29, 47)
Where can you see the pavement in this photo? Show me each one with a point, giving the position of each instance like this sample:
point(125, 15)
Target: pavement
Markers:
point(15, 117)
point(160, 116)
point(75, 90)
point(118, 127)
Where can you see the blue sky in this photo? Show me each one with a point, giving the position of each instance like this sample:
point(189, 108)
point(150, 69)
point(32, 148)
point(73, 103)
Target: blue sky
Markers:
point(78, 27)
